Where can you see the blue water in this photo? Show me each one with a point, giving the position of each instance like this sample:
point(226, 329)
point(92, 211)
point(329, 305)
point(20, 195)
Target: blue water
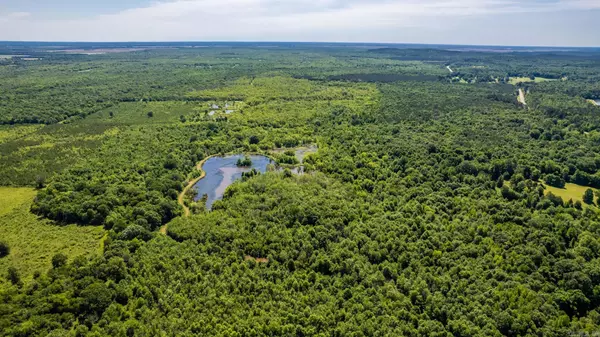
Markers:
point(221, 172)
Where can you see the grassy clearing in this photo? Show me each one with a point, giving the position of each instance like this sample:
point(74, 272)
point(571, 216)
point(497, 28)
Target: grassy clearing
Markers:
point(594, 102)
point(33, 241)
point(571, 191)
point(517, 80)
point(31, 151)
point(11, 198)
point(136, 113)
point(10, 132)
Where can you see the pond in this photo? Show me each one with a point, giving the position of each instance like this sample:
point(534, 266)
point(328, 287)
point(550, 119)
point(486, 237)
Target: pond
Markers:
point(221, 172)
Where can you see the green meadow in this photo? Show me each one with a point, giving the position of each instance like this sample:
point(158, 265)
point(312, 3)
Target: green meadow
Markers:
point(34, 241)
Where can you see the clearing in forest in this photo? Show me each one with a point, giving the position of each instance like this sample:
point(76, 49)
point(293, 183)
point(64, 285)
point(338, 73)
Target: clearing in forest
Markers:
point(594, 102)
point(33, 241)
point(571, 191)
point(256, 259)
point(517, 80)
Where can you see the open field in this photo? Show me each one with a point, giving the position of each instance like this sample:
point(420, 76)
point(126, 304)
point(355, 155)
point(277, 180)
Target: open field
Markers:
point(136, 113)
point(517, 80)
point(34, 241)
point(99, 51)
point(571, 191)
point(11, 132)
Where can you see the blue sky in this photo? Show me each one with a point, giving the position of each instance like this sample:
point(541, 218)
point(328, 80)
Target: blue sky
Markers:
point(489, 22)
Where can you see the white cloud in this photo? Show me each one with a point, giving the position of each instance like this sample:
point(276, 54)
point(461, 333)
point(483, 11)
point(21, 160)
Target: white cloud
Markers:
point(267, 19)
point(581, 4)
point(19, 15)
point(14, 16)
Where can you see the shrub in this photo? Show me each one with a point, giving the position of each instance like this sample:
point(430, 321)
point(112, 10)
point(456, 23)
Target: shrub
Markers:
point(555, 181)
point(59, 260)
point(135, 232)
point(254, 140)
point(13, 276)
point(246, 162)
point(4, 249)
point(588, 196)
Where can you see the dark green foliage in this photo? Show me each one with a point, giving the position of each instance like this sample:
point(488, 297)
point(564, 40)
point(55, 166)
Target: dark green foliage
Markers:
point(13, 276)
point(287, 173)
point(147, 169)
point(254, 140)
point(96, 298)
point(287, 159)
point(500, 182)
point(555, 181)
point(244, 162)
point(588, 196)
point(4, 249)
point(135, 232)
point(59, 260)
point(40, 182)
point(250, 174)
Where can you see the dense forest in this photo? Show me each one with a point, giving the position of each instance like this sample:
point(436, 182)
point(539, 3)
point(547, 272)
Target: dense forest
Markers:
point(436, 203)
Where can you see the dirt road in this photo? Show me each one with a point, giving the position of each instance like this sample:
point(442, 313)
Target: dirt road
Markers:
point(181, 197)
point(522, 97)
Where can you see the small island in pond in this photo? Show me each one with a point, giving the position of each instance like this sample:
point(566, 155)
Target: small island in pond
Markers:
point(244, 162)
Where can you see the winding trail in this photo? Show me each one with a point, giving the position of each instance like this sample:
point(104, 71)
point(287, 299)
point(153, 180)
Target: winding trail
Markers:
point(181, 197)
point(522, 97)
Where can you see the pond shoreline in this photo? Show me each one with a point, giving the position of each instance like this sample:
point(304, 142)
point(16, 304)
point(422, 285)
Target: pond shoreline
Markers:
point(306, 149)
point(191, 183)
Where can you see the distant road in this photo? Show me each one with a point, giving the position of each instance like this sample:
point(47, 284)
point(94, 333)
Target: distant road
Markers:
point(450, 69)
point(522, 96)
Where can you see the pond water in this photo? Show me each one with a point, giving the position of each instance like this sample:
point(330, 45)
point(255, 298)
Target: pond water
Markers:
point(221, 172)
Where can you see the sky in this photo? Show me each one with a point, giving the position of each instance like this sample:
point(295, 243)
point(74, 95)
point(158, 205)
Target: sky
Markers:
point(473, 22)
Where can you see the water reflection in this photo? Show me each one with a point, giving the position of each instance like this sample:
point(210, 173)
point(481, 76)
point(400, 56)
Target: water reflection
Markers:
point(221, 172)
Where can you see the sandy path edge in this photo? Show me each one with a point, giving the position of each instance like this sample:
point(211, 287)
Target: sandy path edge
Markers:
point(522, 96)
point(190, 184)
point(180, 199)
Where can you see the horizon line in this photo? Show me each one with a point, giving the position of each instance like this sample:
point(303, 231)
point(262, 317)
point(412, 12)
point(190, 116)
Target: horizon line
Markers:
point(307, 42)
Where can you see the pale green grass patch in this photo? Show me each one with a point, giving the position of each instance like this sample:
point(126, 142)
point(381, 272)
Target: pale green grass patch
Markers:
point(517, 80)
point(34, 241)
point(571, 191)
